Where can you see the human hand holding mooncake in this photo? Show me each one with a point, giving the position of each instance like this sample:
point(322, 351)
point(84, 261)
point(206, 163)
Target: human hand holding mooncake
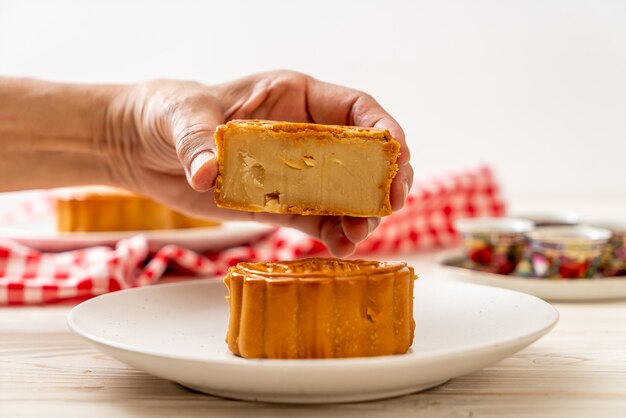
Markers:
point(373, 168)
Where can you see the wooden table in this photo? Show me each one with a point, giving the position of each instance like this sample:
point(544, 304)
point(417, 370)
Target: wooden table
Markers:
point(578, 370)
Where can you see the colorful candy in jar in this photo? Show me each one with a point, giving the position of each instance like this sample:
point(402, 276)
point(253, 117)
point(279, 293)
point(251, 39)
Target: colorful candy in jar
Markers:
point(494, 245)
point(613, 259)
point(567, 252)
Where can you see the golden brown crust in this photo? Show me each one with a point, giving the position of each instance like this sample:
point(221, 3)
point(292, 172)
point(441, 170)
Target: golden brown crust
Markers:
point(302, 128)
point(318, 267)
point(320, 308)
point(298, 131)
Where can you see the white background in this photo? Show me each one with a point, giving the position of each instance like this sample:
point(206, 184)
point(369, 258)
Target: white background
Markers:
point(535, 88)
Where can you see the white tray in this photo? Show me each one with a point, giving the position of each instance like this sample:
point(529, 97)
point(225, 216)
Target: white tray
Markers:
point(548, 289)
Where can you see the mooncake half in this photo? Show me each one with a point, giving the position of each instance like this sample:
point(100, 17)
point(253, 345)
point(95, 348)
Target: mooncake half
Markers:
point(305, 168)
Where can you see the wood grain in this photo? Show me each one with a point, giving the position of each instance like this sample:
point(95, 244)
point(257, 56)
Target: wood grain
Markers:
point(578, 370)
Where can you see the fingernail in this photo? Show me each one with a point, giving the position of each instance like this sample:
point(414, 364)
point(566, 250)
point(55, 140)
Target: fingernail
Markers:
point(199, 160)
point(372, 224)
point(338, 231)
point(347, 246)
point(405, 190)
point(338, 244)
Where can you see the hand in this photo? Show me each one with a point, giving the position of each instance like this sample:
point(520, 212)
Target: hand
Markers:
point(158, 141)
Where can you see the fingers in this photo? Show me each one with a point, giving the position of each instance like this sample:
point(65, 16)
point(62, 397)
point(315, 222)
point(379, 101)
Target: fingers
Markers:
point(275, 95)
point(340, 234)
point(333, 104)
point(366, 111)
point(338, 105)
point(401, 186)
point(203, 171)
point(328, 229)
point(334, 237)
point(243, 97)
point(193, 124)
point(358, 229)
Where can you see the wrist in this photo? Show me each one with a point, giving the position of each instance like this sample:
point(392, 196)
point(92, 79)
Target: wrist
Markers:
point(109, 130)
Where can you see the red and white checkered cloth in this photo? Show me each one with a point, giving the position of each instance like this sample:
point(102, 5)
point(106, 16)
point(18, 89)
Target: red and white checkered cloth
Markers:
point(30, 277)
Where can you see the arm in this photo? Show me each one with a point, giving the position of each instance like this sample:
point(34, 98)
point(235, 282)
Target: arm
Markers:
point(47, 134)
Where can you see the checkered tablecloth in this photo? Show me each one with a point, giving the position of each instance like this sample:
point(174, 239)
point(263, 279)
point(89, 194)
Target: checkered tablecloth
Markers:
point(28, 276)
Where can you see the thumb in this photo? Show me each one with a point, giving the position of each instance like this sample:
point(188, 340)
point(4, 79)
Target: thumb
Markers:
point(193, 129)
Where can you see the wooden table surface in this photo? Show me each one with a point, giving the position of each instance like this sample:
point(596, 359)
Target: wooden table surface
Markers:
point(578, 370)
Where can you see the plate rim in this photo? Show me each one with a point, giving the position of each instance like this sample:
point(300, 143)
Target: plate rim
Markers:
point(346, 363)
point(155, 234)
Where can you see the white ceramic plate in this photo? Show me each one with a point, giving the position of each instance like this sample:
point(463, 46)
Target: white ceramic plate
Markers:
point(36, 227)
point(553, 290)
point(42, 235)
point(177, 332)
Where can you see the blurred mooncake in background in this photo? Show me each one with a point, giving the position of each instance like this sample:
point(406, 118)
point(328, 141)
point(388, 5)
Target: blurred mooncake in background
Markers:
point(102, 208)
